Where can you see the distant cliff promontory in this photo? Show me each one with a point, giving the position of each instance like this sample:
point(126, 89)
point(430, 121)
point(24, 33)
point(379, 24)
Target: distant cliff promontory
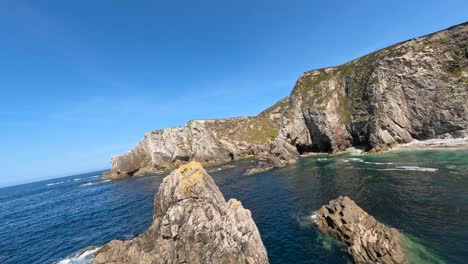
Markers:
point(417, 89)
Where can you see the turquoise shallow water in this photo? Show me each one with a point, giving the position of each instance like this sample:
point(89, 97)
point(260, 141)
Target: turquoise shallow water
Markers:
point(422, 193)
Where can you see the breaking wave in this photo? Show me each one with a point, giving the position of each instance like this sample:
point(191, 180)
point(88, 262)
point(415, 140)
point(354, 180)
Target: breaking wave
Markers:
point(94, 183)
point(84, 257)
point(72, 180)
point(55, 183)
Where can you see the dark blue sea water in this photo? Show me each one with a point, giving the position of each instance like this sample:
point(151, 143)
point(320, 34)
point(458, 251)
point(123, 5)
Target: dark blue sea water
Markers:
point(422, 193)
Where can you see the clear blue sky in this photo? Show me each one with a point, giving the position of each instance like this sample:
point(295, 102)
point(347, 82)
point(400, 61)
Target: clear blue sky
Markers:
point(84, 80)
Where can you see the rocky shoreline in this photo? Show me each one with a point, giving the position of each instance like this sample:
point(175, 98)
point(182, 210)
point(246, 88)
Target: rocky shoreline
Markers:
point(414, 90)
point(271, 160)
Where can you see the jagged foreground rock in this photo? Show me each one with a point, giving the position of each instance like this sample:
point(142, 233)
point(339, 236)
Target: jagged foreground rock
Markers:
point(417, 89)
point(368, 241)
point(192, 224)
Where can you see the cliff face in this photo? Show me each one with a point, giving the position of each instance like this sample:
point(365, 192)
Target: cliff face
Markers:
point(205, 141)
point(416, 89)
point(192, 223)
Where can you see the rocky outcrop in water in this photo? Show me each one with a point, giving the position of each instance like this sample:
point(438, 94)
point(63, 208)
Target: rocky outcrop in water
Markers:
point(280, 154)
point(192, 223)
point(416, 89)
point(368, 241)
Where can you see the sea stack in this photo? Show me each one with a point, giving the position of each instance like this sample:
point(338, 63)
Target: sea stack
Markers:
point(192, 223)
point(368, 241)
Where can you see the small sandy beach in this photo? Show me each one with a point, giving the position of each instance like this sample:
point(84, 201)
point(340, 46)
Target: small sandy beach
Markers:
point(458, 143)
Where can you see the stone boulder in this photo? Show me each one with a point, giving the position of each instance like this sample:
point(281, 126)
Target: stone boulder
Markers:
point(280, 154)
point(368, 241)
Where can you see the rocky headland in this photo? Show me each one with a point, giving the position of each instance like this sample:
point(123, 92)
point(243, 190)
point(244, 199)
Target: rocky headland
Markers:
point(192, 223)
point(367, 240)
point(414, 90)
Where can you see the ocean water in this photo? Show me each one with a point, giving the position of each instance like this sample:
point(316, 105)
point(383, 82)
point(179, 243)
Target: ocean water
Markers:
point(424, 194)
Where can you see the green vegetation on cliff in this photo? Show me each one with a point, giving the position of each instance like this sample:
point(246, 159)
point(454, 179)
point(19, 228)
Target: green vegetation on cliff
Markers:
point(257, 130)
point(350, 81)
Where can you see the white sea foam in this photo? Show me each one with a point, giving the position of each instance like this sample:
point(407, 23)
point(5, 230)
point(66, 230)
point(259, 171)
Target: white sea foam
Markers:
point(306, 220)
point(313, 217)
point(85, 257)
point(352, 159)
point(378, 163)
point(416, 168)
point(322, 159)
point(366, 162)
point(411, 168)
point(213, 170)
point(72, 180)
point(55, 183)
point(94, 183)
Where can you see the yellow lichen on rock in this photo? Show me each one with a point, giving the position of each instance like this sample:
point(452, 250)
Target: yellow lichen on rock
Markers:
point(236, 204)
point(189, 181)
point(191, 165)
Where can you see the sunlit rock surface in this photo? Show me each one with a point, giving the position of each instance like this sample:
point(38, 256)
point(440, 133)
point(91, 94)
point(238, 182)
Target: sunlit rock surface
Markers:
point(368, 241)
point(417, 89)
point(192, 223)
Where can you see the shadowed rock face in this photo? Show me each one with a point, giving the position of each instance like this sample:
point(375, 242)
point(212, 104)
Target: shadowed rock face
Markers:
point(416, 89)
point(192, 223)
point(280, 154)
point(368, 241)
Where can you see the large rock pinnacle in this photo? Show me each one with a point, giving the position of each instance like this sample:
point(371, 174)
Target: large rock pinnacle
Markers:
point(192, 224)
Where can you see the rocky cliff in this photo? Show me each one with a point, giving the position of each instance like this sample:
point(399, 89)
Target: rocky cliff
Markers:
point(417, 89)
point(368, 241)
point(192, 223)
point(206, 141)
